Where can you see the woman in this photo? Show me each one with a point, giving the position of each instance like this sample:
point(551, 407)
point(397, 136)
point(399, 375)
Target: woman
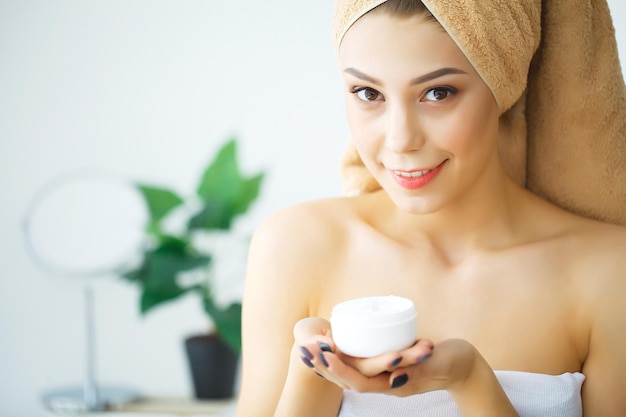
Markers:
point(520, 302)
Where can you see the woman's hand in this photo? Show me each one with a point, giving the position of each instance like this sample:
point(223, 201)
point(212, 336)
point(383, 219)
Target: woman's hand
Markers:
point(377, 374)
point(455, 366)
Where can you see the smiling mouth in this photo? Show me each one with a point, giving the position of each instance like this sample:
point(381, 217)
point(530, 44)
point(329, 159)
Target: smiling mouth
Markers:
point(412, 180)
point(412, 174)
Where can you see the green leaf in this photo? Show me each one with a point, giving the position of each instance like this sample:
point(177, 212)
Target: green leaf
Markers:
point(165, 265)
point(220, 178)
point(214, 215)
point(151, 298)
point(159, 272)
point(226, 192)
point(134, 275)
point(160, 201)
point(249, 192)
point(173, 243)
point(227, 322)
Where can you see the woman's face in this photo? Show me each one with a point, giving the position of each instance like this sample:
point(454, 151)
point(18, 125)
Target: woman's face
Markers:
point(422, 119)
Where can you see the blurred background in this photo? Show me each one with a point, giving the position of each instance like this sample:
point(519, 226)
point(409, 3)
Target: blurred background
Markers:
point(148, 91)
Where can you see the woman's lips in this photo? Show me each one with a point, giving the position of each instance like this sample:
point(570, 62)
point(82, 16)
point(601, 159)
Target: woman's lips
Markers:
point(412, 180)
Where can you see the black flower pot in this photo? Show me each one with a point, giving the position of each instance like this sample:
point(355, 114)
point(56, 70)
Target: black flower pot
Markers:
point(213, 365)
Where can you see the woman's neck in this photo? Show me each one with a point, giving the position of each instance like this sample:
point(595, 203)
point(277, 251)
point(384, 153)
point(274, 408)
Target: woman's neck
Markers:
point(484, 220)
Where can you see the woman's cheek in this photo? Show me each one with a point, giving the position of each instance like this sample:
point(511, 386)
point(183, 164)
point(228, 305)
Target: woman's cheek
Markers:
point(364, 125)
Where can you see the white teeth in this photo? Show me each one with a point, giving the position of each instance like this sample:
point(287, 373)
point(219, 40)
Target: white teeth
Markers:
point(414, 174)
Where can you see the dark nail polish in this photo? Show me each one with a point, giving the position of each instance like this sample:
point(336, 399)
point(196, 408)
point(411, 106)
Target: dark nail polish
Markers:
point(424, 357)
point(325, 347)
point(399, 381)
point(323, 359)
point(307, 361)
point(306, 353)
point(396, 362)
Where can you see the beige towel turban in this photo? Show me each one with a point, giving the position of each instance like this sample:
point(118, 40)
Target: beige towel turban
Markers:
point(554, 71)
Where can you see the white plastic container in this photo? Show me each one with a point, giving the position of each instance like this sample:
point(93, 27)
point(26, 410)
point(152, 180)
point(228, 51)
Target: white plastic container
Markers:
point(371, 326)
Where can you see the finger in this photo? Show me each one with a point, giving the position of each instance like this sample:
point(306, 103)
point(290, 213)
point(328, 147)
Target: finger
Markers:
point(313, 357)
point(333, 368)
point(313, 330)
point(417, 353)
point(414, 373)
point(392, 360)
point(376, 365)
point(411, 372)
point(310, 356)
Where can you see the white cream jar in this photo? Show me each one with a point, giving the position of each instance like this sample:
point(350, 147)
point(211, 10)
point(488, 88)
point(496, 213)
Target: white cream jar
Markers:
point(371, 326)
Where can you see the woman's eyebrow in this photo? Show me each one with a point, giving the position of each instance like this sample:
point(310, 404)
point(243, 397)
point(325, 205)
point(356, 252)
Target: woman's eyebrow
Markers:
point(436, 74)
point(419, 80)
point(362, 76)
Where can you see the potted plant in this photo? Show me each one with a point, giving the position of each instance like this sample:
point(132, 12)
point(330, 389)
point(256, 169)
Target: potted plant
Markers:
point(222, 195)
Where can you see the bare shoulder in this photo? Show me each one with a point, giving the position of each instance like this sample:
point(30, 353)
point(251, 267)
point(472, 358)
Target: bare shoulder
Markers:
point(290, 254)
point(307, 216)
point(313, 227)
point(597, 262)
point(590, 247)
point(600, 249)
point(600, 283)
point(589, 255)
point(298, 246)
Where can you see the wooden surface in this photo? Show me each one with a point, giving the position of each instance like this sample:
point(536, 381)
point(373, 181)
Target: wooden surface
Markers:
point(180, 407)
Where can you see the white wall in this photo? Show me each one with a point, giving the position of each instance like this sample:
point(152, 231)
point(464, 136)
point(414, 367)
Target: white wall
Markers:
point(148, 90)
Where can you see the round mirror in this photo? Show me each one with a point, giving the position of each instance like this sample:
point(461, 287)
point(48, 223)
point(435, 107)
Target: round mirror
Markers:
point(86, 224)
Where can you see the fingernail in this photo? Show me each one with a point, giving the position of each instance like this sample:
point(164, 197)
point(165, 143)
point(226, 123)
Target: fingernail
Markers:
point(307, 361)
point(325, 347)
point(323, 359)
point(424, 357)
point(399, 381)
point(396, 361)
point(306, 353)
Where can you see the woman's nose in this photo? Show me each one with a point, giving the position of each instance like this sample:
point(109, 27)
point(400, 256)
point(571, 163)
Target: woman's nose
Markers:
point(403, 129)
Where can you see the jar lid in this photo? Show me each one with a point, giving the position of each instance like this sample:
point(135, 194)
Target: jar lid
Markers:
point(375, 310)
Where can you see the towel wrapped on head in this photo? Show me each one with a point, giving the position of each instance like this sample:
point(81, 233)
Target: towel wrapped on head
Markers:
point(554, 71)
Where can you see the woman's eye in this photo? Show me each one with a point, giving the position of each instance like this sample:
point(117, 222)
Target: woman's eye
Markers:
point(439, 93)
point(367, 94)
